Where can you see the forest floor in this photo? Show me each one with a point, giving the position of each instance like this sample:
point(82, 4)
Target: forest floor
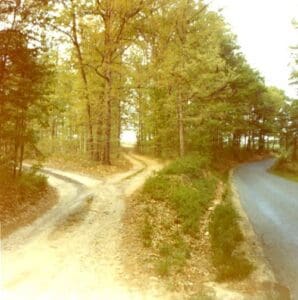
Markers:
point(21, 203)
point(83, 165)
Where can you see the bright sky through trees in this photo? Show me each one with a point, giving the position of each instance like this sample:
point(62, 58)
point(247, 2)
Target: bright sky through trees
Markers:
point(265, 34)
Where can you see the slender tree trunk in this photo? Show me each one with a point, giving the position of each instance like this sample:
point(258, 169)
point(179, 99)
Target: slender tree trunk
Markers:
point(181, 128)
point(295, 146)
point(107, 72)
point(108, 123)
point(119, 126)
point(76, 44)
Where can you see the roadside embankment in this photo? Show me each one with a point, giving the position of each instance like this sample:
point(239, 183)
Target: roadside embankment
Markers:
point(23, 200)
point(185, 232)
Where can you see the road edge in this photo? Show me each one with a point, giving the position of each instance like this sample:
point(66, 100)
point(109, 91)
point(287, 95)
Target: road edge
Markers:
point(252, 244)
point(264, 278)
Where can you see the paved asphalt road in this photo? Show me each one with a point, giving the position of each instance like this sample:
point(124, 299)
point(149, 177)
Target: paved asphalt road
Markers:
point(271, 204)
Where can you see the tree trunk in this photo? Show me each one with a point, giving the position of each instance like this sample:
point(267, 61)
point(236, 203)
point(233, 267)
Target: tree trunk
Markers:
point(181, 128)
point(90, 143)
point(295, 146)
point(108, 124)
point(107, 74)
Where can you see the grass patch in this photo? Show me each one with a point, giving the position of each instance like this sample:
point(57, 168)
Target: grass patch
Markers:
point(285, 174)
point(186, 187)
point(192, 166)
point(173, 255)
point(285, 168)
point(226, 235)
point(147, 232)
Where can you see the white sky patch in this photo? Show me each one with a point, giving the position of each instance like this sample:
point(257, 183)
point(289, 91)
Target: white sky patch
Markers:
point(128, 137)
point(265, 34)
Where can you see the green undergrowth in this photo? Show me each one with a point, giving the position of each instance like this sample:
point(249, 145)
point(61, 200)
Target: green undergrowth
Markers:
point(23, 199)
point(286, 168)
point(226, 236)
point(29, 182)
point(173, 255)
point(187, 186)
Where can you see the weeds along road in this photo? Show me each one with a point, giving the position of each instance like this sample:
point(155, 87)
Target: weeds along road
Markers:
point(73, 250)
point(271, 204)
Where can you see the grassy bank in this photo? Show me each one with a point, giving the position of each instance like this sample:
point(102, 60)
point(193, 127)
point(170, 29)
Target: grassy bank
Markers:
point(23, 199)
point(183, 233)
point(226, 238)
point(285, 168)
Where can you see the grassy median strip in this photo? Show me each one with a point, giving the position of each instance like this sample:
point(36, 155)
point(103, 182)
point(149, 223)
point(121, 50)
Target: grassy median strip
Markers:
point(184, 186)
point(187, 187)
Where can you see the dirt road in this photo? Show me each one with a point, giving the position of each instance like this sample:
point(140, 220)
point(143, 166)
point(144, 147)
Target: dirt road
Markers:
point(271, 203)
point(73, 251)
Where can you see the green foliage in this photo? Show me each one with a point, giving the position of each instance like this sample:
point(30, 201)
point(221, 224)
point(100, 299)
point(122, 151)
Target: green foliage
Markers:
point(226, 236)
point(158, 187)
point(190, 165)
point(28, 182)
point(147, 232)
point(188, 197)
point(173, 255)
point(31, 182)
point(23, 101)
point(285, 167)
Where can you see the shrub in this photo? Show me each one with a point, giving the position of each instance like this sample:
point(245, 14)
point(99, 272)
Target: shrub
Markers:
point(31, 182)
point(188, 204)
point(226, 236)
point(173, 255)
point(191, 165)
point(158, 187)
point(188, 197)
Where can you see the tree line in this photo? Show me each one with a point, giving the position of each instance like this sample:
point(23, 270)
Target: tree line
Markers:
point(74, 74)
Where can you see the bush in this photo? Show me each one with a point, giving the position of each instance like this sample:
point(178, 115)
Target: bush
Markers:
point(188, 188)
point(158, 187)
point(284, 167)
point(191, 165)
point(31, 182)
point(188, 197)
point(226, 236)
point(189, 205)
point(173, 255)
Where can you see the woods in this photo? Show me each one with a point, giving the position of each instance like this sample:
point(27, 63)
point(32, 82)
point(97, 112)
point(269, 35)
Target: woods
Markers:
point(24, 89)
point(76, 74)
point(139, 148)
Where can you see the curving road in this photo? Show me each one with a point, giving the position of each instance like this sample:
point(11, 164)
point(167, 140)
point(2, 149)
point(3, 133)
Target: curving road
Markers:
point(271, 204)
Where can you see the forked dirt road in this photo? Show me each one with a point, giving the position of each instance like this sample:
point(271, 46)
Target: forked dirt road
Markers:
point(73, 251)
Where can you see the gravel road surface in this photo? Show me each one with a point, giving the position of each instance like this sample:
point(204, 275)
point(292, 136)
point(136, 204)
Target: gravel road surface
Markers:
point(73, 250)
